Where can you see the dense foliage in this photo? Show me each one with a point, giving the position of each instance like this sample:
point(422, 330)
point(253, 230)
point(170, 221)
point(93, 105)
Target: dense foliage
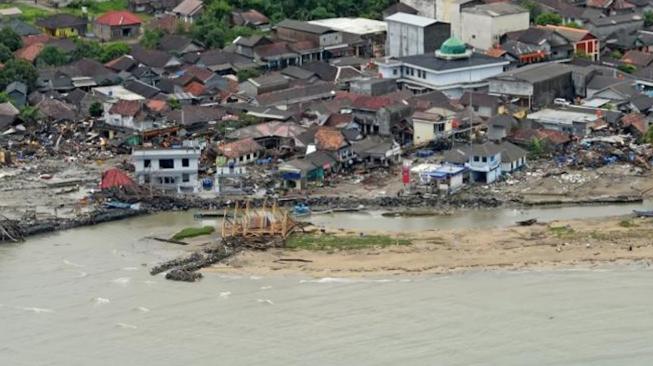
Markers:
point(5, 53)
point(213, 27)
point(100, 52)
point(10, 39)
point(648, 18)
point(151, 38)
point(548, 18)
point(52, 56)
point(18, 70)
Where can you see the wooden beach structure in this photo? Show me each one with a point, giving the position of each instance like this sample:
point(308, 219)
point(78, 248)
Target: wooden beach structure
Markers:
point(267, 220)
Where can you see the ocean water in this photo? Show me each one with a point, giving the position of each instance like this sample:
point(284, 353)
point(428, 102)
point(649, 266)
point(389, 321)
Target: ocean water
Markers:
point(85, 297)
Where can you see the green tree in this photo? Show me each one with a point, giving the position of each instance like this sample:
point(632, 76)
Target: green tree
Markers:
point(648, 18)
point(95, 109)
point(536, 148)
point(151, 38)
point(18, 70)
point(212, 27)
point(648, 136)
point(29, 114)
point(113, 51)
point(583, 55)
point(10, 39)
point(52, 56)
point(628, 69)
point(5, 53)
point(4, 97)
point(248, 74)
point(548, 18)
point(174, 104)
point(533, 8)
point(572, 25)
point(86, 49)
point(321, 13)
point(616, 55)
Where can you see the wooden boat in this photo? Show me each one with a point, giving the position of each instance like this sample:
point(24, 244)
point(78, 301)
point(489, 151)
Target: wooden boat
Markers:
point(528, 222)
point(645, 213)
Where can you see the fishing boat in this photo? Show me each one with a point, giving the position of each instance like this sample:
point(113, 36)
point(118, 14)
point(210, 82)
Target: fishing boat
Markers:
point(645, 213)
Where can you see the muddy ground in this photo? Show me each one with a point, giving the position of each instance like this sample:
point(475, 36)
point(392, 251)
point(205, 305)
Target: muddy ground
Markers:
point(24, 189)
point(574, 243)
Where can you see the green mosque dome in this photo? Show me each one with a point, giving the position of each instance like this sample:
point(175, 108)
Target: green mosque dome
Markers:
point(453, 46)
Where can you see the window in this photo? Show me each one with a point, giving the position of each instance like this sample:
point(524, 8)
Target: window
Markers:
point(185, 178)
point(484, 159)
point(147, 179)
point(185, 163)
point(166, 164)
point(147, 163)
point(394, 72)
point(476, 158)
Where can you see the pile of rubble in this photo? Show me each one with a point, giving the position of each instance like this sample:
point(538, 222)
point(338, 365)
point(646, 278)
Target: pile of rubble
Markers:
point(67, 141)
point(185, 269)
point(600, 151)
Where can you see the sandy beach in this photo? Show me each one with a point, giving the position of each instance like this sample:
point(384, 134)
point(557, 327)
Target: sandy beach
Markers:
point(575, 243)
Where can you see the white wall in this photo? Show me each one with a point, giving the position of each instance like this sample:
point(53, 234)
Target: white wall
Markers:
point(404, 39)
point(482, 31)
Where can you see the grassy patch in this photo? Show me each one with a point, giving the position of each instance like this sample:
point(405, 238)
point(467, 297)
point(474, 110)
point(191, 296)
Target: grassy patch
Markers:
point(330, 242)
point(627, 223)
point(30, 13)
point(191, 232)
point(562, 231)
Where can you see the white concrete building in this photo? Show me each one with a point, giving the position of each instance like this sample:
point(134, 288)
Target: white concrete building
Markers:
point(169, 169)
point(429, 126)
point(451, 69)
point(414, 35)
point(482, 26)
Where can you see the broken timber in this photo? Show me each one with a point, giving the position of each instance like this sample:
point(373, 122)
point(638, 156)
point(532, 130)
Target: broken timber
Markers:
point(257, 222)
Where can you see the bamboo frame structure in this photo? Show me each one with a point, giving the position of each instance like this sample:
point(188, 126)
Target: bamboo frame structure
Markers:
point(256, 222)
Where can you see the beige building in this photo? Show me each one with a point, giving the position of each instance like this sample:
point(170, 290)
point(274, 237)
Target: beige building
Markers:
point(429, 126)
point(483, 25)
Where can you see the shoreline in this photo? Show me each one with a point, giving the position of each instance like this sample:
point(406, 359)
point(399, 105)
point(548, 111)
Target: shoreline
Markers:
point(394, 206)
point(584, 243)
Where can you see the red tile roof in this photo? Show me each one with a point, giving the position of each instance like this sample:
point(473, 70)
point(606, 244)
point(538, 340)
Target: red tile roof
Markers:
point(495, 52)
point(157, 105)
point(37, 38)
point(240, 148)
point(635, 120)
point(329, 139)
point(371, 103)
point(118, 18)
point(126, 108)
point(637, 58)
point(196, 88)
point(202, 74)
point(30, 53)
point(166, 22)
point(338, 120)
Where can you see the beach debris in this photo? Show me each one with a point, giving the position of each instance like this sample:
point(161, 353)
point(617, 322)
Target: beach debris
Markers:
point(10, 230)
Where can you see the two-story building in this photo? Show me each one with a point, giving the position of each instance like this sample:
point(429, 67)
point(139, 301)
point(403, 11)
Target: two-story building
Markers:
point(483, 25)
point(482, 160)
point(328, 41)
point(410, 35)
point(429, 126)
point(169, 169)
point(452, 69)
